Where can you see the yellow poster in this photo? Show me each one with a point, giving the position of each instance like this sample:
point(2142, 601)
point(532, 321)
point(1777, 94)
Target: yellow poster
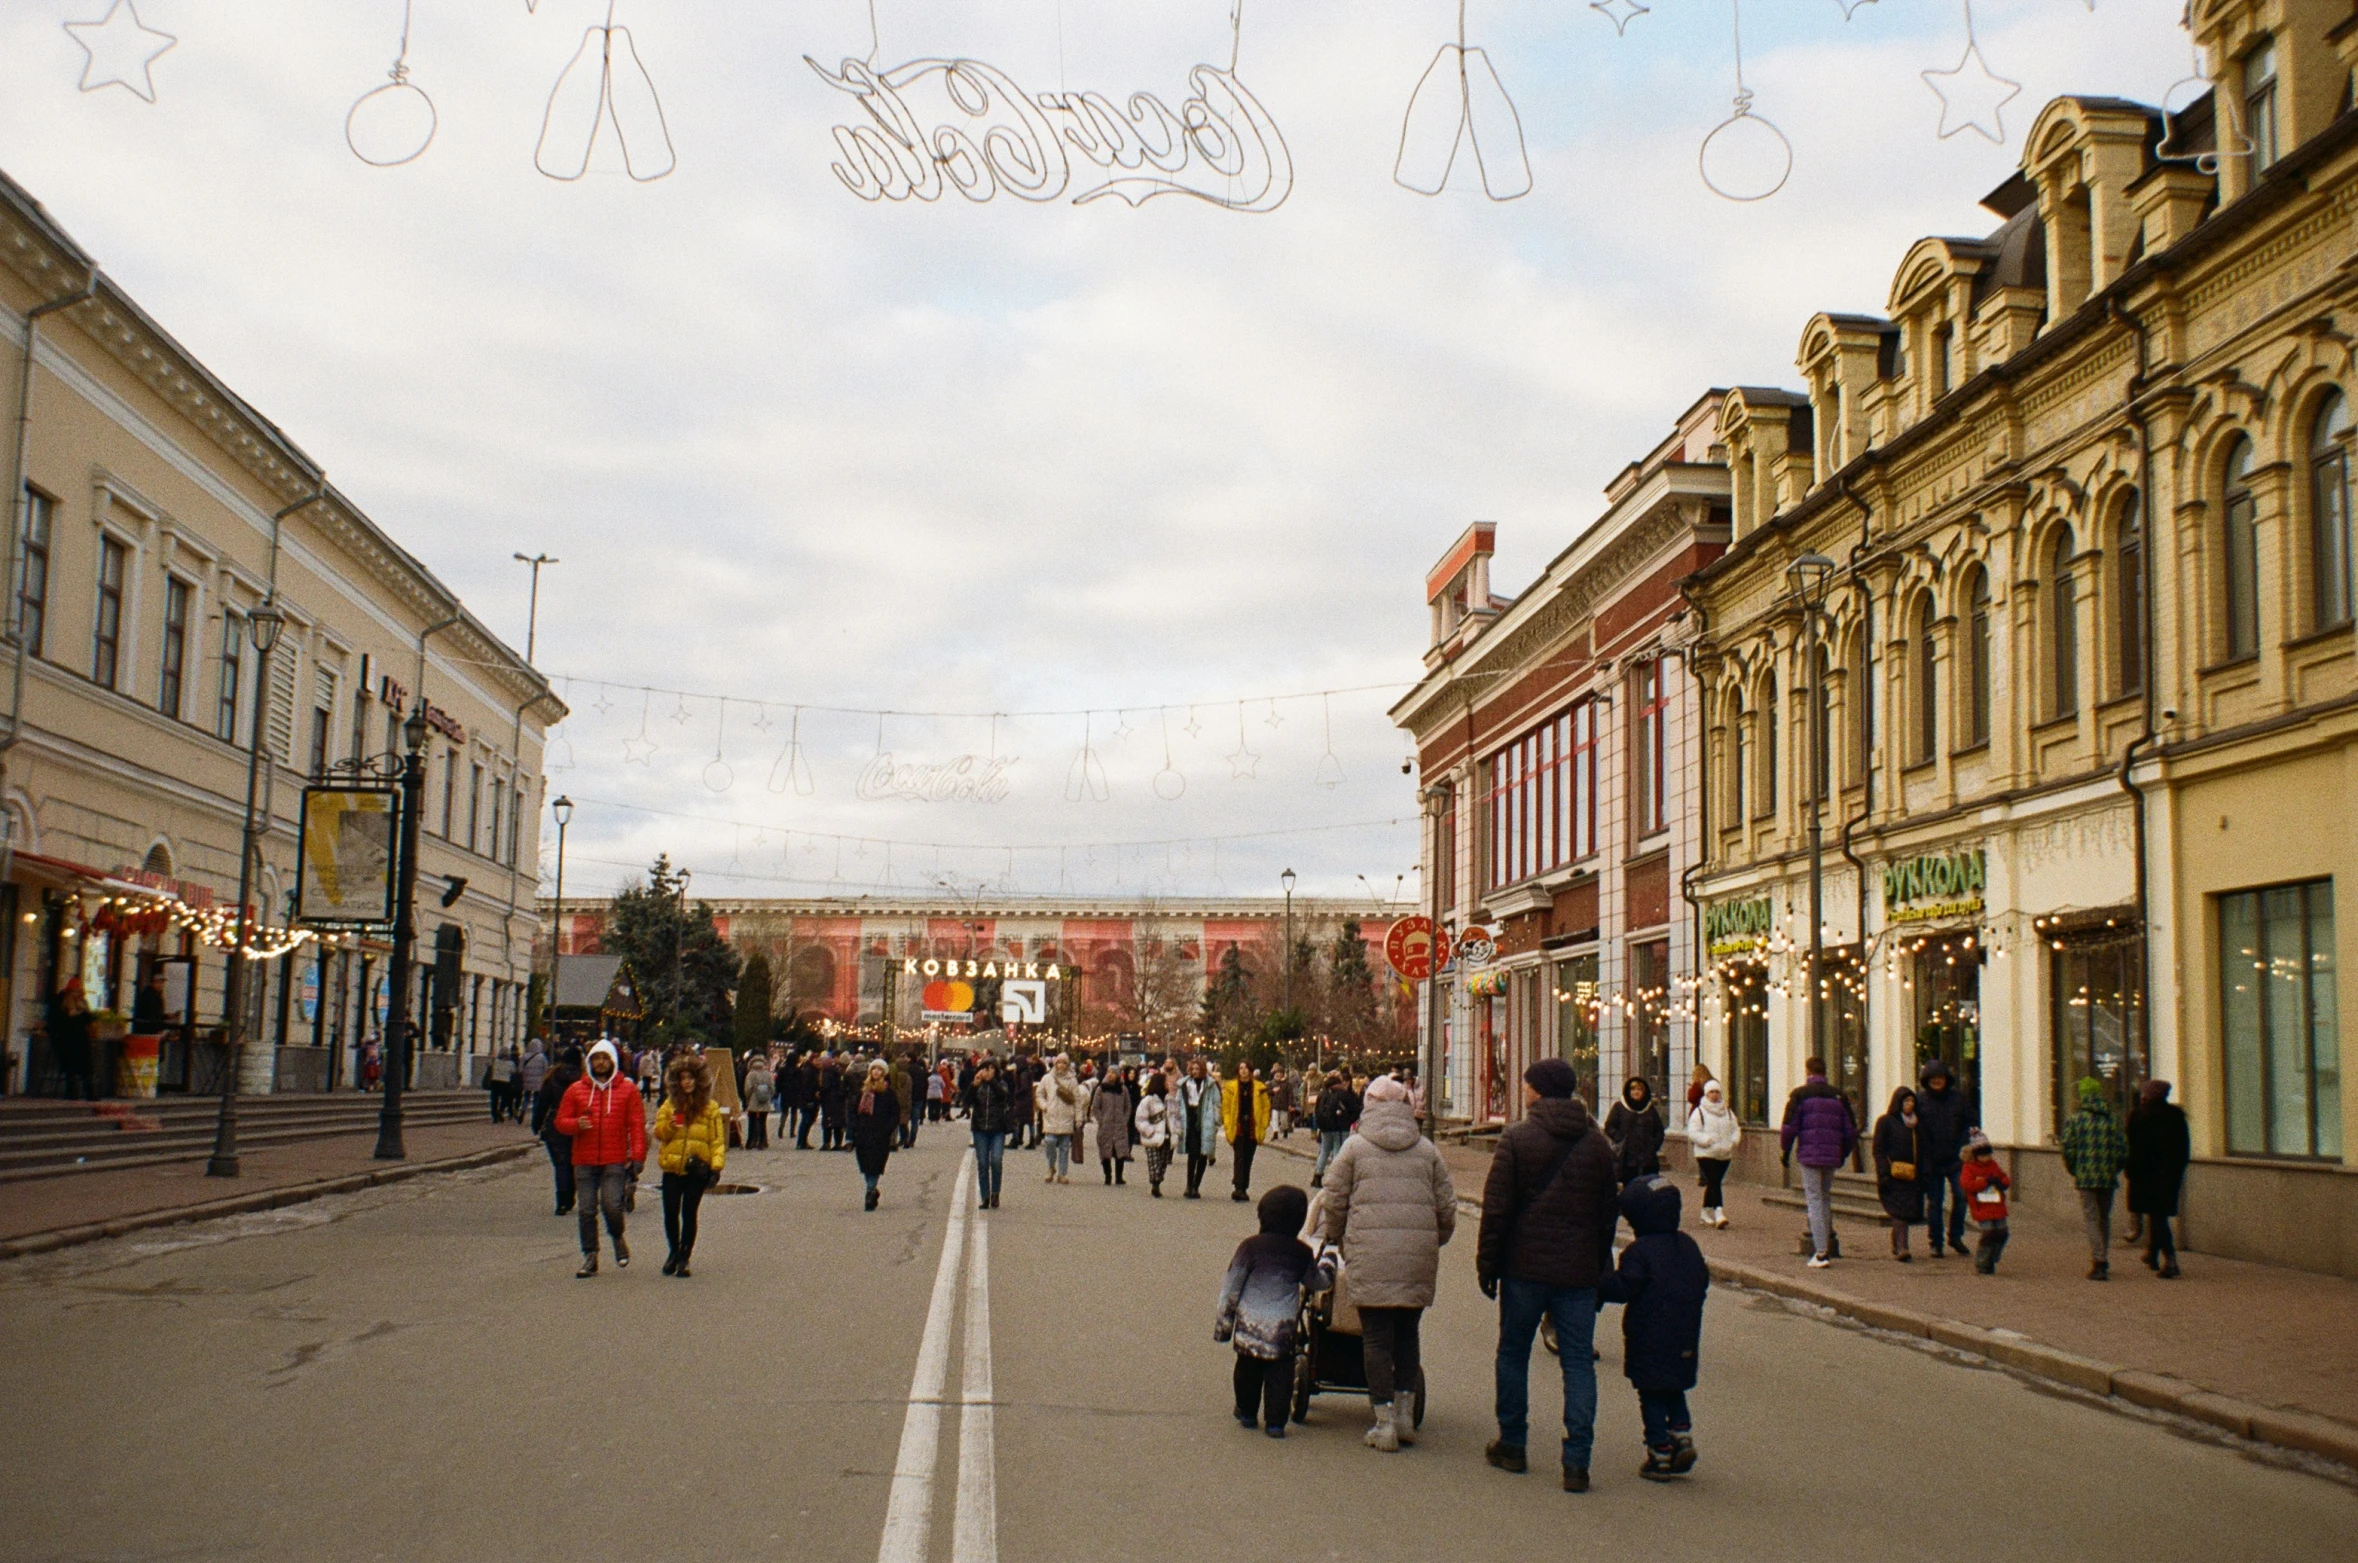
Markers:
point(347, 855)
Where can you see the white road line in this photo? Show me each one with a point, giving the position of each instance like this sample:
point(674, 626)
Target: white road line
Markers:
point(977, 1536)
point(908, 1515)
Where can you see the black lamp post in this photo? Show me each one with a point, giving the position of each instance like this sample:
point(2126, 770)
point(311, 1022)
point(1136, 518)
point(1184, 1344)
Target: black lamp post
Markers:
point(1287, 879)
point(405, 935)
point(263, 625)
point(562, 808)
point(1811, 576)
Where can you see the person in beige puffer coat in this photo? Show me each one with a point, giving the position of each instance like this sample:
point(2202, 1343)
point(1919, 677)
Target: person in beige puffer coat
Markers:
point(1390, 1205)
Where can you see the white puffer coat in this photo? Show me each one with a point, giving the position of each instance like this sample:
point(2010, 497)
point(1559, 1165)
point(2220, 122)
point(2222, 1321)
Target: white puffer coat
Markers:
point(1391, 1206)
point(1713, 1132)
point(1063, 1102)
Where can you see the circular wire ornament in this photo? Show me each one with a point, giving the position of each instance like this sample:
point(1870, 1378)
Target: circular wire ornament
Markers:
point(1782, 150)
point(388, 119)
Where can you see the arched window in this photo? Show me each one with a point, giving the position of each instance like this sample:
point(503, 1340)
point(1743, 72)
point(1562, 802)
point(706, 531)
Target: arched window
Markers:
point(2241, 513)
point(1925, 668)
point(1858, 697)
point(1821, 714)
point(2128, 595)
point(1977, 657)
point(1736, 754)
point(2063, 629)
point(2329, 513)
point(1768, 746)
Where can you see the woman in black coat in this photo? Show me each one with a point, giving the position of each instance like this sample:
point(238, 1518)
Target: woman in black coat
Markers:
point(1635, 1128)
point(875, 1125)
point(2159, 1150)
point(1900, 1169)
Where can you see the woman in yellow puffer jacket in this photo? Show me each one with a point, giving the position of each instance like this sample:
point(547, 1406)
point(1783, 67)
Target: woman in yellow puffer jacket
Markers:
point(694, 1136)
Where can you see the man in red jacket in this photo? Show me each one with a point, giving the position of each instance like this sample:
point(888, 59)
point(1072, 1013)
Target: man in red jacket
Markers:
point(607, 1120)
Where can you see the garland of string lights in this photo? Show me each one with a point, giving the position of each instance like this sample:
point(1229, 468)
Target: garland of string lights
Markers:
point(141, 912)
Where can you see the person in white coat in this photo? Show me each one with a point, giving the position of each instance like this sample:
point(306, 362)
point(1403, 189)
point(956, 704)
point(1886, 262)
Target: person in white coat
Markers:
point(1712, 1134)
point(1064, 1104)
point(1152, 1123)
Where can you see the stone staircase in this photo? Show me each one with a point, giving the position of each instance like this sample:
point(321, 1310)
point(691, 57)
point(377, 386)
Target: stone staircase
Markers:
point(46, 1139)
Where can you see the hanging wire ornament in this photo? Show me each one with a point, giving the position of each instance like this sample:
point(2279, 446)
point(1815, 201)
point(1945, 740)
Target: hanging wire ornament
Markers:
point(1243, 764)
point(1460, 101)
point(1972, 92)
point(761, 719)
point(1169, 783)
point(1737, 162)
point(394, 124)
point(1273, 720)
point(1850, 8)
point(2196, 85)
point(605, 80)
point(1086, 778)
point(718, 775)
point(1330, 769)
point(1620, 13)
point(680, 713)
point(789, 772)
point(118, 45)
point(641, 749)
point(1195, 726)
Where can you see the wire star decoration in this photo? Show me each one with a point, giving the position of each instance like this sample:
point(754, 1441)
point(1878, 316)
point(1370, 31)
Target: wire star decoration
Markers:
point(638, 751)
point(1619, 12)
point(122, 51)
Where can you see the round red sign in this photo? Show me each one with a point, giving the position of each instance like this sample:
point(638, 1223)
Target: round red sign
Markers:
point(1415, 947)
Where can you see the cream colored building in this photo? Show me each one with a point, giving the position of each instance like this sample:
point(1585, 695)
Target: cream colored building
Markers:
point(147, 498)
point(2091, 694)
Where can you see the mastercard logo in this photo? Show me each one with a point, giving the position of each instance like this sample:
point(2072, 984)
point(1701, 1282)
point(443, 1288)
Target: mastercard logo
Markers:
point(949, 997)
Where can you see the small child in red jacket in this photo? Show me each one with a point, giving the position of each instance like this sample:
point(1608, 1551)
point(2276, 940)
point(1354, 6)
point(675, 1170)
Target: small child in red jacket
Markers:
point(1985, 1183)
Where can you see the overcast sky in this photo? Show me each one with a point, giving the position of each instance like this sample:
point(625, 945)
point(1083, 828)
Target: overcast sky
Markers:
point(794, 448)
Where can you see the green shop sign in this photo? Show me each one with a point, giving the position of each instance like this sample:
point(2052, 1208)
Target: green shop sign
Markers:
point(1938, 884)
point(1737, 925)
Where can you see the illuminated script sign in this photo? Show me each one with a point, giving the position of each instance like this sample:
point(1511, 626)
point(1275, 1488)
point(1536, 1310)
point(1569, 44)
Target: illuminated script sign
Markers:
point(969, 778)
point(940, 125)
point(1939, 884)
point(1730, 926)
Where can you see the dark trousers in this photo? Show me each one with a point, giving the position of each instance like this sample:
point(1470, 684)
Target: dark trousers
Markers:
point(681, 1198)
point(1244, 1166)
point(1665, 1415)
point(1715, 1173)
point(990, 1163)
point(600, 1190)
point(909, 1131)
point(1266, 1386)
point(1393, 1351)
point(1197, 1164)
point(757, 1130)
point(1992, 1246)
point(1936, 1189)
point(830, 1135)
point(806, 1115)
point(81, 1081)
point(561, 1158)
point(2158, 1240)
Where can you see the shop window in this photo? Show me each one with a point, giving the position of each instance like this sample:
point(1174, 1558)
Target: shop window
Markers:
point(1944, 985)
point(1649, 1038)
point(1843, 991)
point(106, 636)
point(2329, 514)
point(1926, 667)
point(2128, 596)
point(2096, 1015)
point(2240, 512)
point(2277, 1021)
point(1576, 998)
point(32, 594)
point(1745, 987)
point(2063, 630)
point(1977, 658)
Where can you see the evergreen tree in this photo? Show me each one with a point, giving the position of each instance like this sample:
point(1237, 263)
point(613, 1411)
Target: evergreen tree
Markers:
point(753, 1004)
point(683, 969)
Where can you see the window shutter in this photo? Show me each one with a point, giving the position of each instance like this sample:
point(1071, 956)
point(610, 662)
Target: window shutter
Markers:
point(278, 733)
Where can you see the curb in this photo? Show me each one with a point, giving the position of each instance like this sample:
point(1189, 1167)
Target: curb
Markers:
point(263, 1199)
point(2304, 1431)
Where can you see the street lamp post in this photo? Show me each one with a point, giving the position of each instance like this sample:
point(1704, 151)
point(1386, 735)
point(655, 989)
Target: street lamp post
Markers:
point(263, 625)
point(405, 935)
point(532, 613)
point(1287, 879)
point(562, 808)
point(679, 958)
point(1812, 575)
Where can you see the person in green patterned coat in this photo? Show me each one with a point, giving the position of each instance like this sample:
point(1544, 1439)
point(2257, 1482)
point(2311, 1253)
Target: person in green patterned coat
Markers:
point(2094, 1150)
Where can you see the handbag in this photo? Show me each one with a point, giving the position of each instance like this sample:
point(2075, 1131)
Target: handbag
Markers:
point(1903, 1172)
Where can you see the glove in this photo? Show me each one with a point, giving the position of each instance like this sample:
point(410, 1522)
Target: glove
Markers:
point(1490, 1287)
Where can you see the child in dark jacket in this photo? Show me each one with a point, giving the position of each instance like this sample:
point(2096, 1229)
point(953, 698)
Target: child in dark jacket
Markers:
point(1660, 1284)
point(1260, 1303)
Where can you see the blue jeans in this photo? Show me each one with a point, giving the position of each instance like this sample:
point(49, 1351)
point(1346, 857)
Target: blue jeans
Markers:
point(1060, 1154)
point(990, 1162)
point(1665, 1414)
point(1330, 1145)
point(1520, 1305)
point(1935, 1190)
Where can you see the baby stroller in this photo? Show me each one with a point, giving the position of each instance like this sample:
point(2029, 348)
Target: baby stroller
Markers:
point(1329, 1356)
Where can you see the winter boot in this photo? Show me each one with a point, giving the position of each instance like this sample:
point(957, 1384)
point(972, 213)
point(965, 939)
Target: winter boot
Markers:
point(1404, 1419)
point(1682, 1458)
point(1658, 1466)
point(1506, 1456)
point(621, 1253)
point(1385, 1435)
point(589, 1267)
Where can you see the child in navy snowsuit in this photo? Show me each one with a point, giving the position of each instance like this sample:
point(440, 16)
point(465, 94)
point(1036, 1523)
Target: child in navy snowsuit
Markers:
point(1660, 1284)
point(1260, 1305)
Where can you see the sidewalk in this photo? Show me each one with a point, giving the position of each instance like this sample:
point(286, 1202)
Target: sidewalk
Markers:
point(2228, 1339)
point(95, 1199)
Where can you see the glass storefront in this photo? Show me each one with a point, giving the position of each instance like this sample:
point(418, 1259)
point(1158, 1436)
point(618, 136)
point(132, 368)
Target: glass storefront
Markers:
point(2096, 1015)
point(1649, 1024)
point(1575, 998)
point(1744, 987)
point(1944, 980)
point(1844, 984)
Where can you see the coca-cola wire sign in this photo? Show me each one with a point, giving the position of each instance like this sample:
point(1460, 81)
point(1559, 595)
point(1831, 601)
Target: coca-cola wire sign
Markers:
point(967, 778)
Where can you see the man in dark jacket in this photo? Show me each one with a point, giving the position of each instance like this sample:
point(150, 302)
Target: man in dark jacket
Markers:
point(553, 1087)
point(1819, 1125)
point(1547, 1235)
point(1945, 1120)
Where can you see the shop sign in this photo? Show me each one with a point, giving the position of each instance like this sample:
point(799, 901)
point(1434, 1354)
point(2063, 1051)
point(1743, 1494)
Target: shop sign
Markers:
point(1476, 947)
point(1029, 971)
point(1733, 926)
point(1415, 947)
point(308, 1001)
point(1023, 1003)
point(347, 868)
point(950, 1001)
point(1484, 984)
point(1938, 884)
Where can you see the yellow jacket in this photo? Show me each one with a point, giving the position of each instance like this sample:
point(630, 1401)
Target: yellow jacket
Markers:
point(706, 1137)
point(1260, 1111)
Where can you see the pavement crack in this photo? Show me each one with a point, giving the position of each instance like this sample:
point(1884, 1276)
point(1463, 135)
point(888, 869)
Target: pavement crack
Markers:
point(311, 1353)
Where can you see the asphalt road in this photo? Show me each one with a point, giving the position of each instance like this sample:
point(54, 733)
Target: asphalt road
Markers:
point(414, 1374)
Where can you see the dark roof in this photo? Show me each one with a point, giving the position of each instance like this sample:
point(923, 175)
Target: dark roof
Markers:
point(2020, 247)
